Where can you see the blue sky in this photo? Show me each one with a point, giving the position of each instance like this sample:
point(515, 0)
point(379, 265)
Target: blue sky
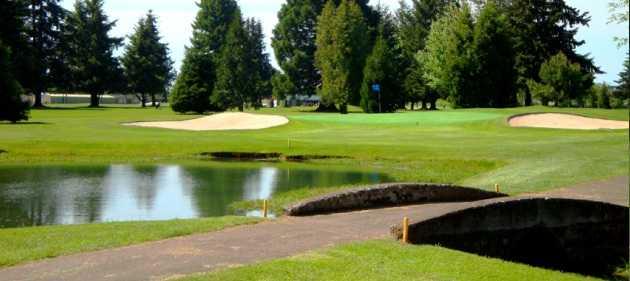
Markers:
point(176, 16)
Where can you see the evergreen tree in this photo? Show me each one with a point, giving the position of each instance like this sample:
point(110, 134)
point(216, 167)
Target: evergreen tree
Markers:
point(493, 49)
point(44, 26)
point(542, 29)
point(340, 56)
point(382, 67)
point(234, 87)
point(449, 61)
point(94, 68)
point(294, 40)
point(196, 80)
point(147, 66)
point(12, 108)
point(623, 84)
point(261, 70)
point(13, 33)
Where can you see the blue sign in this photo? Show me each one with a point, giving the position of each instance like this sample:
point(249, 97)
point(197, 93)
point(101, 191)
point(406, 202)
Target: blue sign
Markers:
point(376, 88)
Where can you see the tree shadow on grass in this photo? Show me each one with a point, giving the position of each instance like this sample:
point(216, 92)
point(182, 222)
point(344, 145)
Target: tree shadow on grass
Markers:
point(23, 123)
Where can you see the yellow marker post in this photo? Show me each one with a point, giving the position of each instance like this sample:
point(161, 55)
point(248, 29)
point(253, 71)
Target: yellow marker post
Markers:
point(265, 206)
point(405, 238)
point(497, 188)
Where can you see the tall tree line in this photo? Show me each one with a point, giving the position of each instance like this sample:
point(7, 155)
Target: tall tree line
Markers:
point(294, 40)
point(225, 66)
point(484, 58)
point(46, 47)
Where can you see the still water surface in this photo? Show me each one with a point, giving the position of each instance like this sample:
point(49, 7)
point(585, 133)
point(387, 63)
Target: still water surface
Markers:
point(47, 195)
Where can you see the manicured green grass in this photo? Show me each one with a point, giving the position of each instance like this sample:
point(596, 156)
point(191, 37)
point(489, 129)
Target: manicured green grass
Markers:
point(386, 260)
point(469, 147)
point(472, 147)
point(20, 245)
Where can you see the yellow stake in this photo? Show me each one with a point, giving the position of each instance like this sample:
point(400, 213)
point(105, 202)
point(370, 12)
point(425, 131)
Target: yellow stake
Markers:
point(265, 207)
point(496, 188)
point(405, 238)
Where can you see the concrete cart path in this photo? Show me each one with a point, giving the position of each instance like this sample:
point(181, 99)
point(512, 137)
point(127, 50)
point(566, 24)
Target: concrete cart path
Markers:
point(265, 241)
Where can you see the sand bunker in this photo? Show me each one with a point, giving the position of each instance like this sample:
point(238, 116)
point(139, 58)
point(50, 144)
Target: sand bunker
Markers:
point(565, 121)
point(220, 122)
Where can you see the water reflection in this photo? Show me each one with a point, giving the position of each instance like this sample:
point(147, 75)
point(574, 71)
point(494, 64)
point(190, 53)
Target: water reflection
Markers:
point(73, 195)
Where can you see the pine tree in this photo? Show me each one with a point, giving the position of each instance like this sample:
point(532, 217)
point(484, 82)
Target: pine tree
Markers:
point(12, 108)
point(493, 48)
point(261, 70)
point(147, 66)
point(234, 87)
point(44, 26)
point(197, 78)
point(623, 84)
point(341, 52)
point(382, 67)
point(13, 33)
point(294, 40)
point(95, 69)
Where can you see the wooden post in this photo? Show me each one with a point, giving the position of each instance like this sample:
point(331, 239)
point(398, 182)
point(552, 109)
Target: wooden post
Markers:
point(265, 207)
point(405, 238)
point(497, 188)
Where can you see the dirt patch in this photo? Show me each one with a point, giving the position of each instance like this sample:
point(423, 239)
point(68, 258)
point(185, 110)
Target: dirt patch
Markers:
point(220, 122)
point(565, 121)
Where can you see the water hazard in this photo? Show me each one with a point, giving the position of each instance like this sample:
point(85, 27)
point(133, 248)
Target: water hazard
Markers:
point(48, 195)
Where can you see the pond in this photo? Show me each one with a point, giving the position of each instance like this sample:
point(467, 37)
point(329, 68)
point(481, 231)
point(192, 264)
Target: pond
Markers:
point(49, 195)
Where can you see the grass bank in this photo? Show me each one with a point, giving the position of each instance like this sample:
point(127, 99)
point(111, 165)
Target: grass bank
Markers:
point(20, 245)
point(471, 147)
point(386, 260)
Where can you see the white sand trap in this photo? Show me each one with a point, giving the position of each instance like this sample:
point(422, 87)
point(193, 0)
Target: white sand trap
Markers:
point(565, 121)
point(220, 122)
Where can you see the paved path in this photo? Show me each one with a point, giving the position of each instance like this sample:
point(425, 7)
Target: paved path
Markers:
point(254, 243)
